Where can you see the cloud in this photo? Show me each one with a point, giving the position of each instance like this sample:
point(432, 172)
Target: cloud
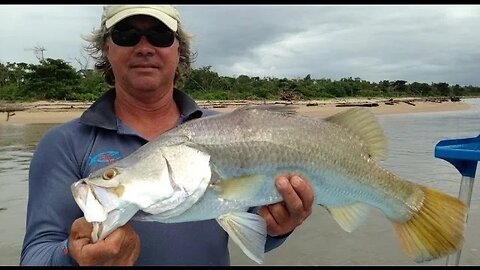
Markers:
point(423, 43)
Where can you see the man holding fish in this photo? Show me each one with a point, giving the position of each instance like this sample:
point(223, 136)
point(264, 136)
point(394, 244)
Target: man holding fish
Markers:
point(144, 53)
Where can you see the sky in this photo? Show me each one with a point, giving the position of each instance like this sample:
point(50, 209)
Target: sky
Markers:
point(416, 43)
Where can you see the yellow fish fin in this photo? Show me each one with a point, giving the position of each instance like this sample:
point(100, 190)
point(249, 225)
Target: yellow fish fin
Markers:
point(248, 231)
point(351, 216)
point(363, 123)
point(435, 229)
point(238, 188)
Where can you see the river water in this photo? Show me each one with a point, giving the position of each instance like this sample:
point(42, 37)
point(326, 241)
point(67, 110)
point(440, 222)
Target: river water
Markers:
point(319, 241)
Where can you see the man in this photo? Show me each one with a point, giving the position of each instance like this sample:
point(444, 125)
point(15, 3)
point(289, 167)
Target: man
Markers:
point(144, 53)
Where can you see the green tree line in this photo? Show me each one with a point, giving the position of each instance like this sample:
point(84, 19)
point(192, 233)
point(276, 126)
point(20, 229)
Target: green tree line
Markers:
point(55, 79)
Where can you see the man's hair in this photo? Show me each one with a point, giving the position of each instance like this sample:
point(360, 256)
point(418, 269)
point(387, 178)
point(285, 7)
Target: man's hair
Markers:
point(98, 39)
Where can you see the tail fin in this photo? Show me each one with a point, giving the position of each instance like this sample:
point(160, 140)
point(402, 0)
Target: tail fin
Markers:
point(436, 229)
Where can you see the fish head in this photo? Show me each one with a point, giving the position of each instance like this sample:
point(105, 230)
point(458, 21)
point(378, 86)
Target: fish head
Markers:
point(165, 181)
point(102, 206)
point(111, 196)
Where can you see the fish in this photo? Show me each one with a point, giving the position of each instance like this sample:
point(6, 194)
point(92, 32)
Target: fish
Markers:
point(223, 166)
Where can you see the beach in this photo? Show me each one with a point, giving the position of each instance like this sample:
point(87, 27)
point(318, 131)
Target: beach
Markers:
point(55, 112)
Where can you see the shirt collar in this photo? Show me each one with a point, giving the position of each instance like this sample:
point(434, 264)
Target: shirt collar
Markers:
point(101, 113)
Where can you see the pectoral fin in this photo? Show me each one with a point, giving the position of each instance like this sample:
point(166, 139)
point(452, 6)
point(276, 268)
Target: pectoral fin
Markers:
point(239, 188)
point(351, 216)
point(248, 231)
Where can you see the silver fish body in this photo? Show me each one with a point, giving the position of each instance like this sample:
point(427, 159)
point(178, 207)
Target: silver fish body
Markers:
point(262, 144)
point(225, 164)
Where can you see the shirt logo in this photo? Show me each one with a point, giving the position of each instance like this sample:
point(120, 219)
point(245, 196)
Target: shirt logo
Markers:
point(104, 157)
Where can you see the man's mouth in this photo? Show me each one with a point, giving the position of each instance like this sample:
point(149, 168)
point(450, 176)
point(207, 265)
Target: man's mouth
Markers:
point(144, 66)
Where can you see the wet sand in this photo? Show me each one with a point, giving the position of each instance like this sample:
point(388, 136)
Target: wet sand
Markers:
point(55, 112)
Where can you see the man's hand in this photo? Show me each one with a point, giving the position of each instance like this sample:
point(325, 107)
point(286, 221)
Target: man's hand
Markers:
point(284, 217)
point(121, 247)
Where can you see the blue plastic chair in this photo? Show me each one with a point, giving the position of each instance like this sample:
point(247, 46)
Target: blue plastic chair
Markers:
point(464, 154)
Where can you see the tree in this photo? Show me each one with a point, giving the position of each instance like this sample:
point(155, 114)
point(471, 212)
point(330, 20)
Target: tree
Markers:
point(38, 51)
point(83, 62)
point(420, 89)
point(400, 86)
point(200, 80)
point(90, 87)
point(12, 76)
point(457, 90)
point(51, 79)
point(442, 88)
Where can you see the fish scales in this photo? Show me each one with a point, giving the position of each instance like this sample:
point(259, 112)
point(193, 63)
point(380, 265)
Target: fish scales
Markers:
point(261, 140)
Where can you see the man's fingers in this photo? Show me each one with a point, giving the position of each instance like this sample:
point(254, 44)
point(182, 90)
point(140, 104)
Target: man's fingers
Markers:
point(279, 212)
point(272, 226)
point(81, 228)
point(292, 201)
point(304, 191)
point(121, 247)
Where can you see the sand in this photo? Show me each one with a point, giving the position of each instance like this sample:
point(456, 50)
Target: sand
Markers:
point(60, 112)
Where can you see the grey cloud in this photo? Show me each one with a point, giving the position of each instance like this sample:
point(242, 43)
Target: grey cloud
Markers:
point(415, 43)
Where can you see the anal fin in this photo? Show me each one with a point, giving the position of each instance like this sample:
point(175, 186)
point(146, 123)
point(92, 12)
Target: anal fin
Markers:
point(351, 216)
point(248, 231)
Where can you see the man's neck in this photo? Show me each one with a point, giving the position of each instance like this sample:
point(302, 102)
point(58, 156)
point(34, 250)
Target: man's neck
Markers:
point(149, 117)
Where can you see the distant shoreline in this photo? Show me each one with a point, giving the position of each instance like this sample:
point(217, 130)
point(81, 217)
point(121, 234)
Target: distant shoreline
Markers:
point(56, 112)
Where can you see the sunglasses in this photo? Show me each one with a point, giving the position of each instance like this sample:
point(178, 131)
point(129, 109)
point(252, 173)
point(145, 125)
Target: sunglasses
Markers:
point(131, 37)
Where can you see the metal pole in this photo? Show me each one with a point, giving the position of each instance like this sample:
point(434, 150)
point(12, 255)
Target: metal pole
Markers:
point(465, 195)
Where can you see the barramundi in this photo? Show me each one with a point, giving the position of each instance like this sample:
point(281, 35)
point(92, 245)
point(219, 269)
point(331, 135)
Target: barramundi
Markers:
point(220, 167)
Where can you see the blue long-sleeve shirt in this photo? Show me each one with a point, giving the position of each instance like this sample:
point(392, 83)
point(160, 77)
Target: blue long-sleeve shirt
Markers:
point(71, 151)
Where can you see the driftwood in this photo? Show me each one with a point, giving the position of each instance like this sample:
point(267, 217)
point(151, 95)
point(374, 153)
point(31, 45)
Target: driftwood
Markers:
point(368, 104)
point(409, 103)
point(454, 99)
point(10, 109)
point(9, 114)
point(391, 102)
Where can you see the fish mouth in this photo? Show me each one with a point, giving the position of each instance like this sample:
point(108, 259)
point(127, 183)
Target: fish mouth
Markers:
point(102, 208)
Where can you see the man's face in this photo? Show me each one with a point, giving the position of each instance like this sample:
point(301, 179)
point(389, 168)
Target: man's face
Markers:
point(142, 67)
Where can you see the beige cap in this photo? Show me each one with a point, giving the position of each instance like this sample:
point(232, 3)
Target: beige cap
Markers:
point(165, 13)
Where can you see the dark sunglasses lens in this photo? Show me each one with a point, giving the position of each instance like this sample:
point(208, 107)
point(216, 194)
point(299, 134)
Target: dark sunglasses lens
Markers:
point(161, 39)
point(126, 38)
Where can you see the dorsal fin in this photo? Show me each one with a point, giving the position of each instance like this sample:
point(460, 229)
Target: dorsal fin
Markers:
point(363, 123)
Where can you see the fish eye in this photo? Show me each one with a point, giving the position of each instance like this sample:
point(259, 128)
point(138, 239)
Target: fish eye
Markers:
point(109, 174)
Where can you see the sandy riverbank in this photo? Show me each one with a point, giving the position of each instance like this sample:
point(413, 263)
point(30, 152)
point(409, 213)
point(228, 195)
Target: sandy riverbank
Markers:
point(60, 112)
